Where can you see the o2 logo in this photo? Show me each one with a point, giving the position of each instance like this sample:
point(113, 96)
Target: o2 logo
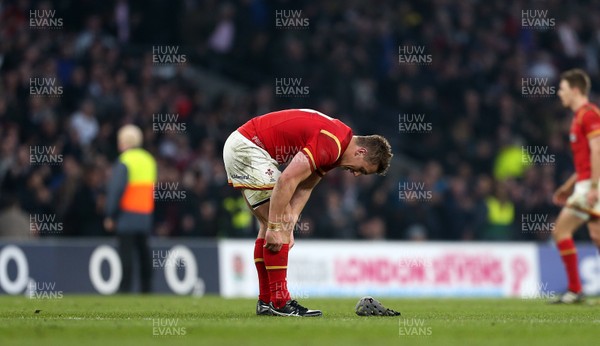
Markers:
point(190, 283)
point(19, 284)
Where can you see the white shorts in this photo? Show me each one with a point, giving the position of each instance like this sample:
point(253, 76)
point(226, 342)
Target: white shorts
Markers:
point(577, 202)
point(250, 168)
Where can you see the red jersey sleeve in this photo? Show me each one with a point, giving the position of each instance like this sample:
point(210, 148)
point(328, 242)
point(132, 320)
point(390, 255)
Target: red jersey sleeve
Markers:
point(323, 151)
point(590, 122)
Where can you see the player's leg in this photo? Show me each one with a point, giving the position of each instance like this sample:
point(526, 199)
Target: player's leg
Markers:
point(275, 264)
point(568, 222)
point(252, 169)
point(264, 290)
point(270, 266)
point(246, 165)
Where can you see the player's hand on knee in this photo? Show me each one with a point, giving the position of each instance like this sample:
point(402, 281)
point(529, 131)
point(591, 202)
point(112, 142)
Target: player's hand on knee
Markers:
point(273, 240)
point(560, 197)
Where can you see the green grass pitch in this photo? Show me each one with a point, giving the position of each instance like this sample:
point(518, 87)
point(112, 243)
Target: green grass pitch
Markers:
point(140, 320)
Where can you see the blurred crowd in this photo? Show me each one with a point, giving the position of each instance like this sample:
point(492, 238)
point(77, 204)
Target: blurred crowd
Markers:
point(483, 168)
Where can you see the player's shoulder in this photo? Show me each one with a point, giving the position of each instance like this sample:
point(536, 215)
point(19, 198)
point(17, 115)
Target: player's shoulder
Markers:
point(589, 109)
point(586, 113)
point(313, 113)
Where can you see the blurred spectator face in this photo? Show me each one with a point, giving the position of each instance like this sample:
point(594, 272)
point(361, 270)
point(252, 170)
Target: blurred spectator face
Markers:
point(88, 108)
point(23, 155)
point(484, 185)
point(417, 232)
point(373, 229)
point(71, 167)
point(501, 191)
point(208, 211)
point(93, 177)
point(294, 49)
point(333, 200)
point(458, 186)
point(9, 143)
point(49, 127)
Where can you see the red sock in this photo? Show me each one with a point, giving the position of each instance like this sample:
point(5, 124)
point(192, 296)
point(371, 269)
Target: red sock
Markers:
point(568, 252)
point(263, 277)
point(276, 264)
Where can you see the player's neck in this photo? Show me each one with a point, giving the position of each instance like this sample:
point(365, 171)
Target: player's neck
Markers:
point(579, 102)
point(350, 149)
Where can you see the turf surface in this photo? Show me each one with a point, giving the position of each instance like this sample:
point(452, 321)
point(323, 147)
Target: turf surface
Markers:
point(140, 320)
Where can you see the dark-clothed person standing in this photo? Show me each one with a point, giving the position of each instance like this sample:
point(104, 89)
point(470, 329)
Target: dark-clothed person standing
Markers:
point(130, 204)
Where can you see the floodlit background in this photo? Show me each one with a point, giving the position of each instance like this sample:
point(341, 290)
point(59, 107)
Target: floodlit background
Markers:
point(464, 90)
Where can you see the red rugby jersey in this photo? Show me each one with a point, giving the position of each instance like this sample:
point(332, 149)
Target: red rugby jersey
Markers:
point(283, 134)
point(585, 125)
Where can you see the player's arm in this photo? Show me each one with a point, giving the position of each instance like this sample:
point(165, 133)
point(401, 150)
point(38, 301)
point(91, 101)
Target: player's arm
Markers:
point(302, 193)
point(295, 173)
point(565, 190)
point(595, 159)
point(570, 183)
point(299, 199)
point(594, 143)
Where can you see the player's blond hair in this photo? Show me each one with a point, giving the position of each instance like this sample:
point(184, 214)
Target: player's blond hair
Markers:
point(379, 151)
point(577, 78)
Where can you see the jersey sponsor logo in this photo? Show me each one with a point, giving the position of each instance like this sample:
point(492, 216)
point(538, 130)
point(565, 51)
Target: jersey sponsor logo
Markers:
point(240, 177)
